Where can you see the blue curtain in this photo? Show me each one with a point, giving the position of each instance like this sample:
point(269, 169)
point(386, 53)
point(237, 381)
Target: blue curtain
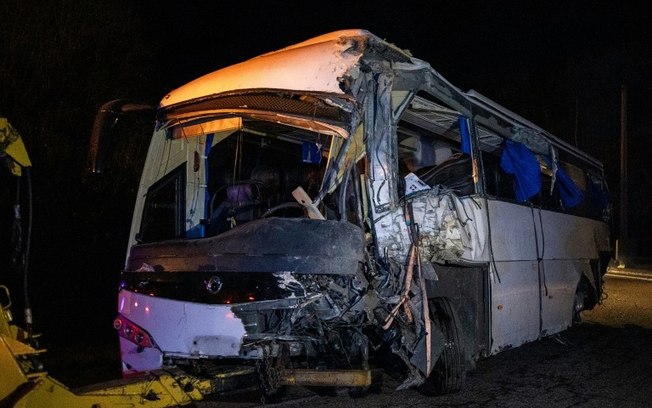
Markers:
point(518, 160)
point(569, 193)
point(465, 135)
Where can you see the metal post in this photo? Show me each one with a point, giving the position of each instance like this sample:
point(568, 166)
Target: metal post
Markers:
point(623, 169)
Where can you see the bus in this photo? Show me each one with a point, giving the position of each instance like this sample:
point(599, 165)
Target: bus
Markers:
point(304, 211)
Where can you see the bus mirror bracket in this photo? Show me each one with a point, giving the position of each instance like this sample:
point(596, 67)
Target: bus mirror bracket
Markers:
point(102, 135)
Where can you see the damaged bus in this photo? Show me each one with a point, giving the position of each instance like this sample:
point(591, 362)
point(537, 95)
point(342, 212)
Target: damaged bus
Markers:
point(306, 209)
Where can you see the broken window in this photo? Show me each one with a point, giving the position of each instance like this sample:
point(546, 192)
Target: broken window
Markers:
point(253, 172)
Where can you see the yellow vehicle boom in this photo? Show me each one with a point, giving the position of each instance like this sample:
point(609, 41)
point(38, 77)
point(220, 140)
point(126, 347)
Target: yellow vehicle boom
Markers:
point(23, 381)
point(26, 385)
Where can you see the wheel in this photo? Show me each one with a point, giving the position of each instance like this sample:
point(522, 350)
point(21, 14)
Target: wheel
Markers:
point(449, 372)
point(582, 300)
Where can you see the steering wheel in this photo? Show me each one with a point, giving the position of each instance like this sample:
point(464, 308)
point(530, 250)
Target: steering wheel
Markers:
point(289, 205)
point(220, 194)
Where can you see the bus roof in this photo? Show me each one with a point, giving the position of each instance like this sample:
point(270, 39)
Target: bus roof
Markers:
point(329, 64)
point(314, 65)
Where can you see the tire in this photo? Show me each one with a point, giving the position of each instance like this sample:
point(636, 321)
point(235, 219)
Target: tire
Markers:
point(581, 300)
point(449, 373)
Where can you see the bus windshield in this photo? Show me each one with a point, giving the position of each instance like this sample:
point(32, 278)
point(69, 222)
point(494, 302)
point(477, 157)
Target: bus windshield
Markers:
point(250, 167)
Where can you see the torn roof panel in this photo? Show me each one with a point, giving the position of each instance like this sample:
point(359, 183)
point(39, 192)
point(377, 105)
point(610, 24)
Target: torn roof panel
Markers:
point(315, 65)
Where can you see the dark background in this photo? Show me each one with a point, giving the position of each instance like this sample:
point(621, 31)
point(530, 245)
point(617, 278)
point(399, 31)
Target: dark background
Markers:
point(559, 64)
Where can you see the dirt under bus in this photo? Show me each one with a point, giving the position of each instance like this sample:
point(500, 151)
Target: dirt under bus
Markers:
point(303, 211)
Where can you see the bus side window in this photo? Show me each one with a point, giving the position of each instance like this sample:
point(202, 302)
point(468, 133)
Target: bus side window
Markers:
point(455, 173)
point(164, 210)
point(547, 198)
point(416, 151)
point(497, 183)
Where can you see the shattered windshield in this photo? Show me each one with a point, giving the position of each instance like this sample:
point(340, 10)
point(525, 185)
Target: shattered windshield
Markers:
point(213, 172)
point(253, 171)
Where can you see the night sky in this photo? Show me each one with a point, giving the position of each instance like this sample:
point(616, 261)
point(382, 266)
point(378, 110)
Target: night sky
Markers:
point(559, 64)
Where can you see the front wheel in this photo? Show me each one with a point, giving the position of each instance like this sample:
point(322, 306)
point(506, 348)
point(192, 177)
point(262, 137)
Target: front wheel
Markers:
point(449, 372)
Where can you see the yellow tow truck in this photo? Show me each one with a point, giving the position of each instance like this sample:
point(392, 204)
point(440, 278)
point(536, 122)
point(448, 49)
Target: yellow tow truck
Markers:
point(23, 381)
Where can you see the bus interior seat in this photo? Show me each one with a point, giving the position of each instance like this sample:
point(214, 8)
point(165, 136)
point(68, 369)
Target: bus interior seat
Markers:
point(237, 207)
point(268, 180)
point(246, 200)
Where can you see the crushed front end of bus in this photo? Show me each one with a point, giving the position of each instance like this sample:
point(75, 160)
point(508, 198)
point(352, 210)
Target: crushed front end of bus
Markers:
point(272, 285)
point(286, 290)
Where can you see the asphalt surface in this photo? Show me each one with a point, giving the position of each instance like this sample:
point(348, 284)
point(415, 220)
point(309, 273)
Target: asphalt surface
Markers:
point(627, 299)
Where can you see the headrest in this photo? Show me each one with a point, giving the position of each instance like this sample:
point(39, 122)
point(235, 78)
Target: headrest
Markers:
point(240, 194)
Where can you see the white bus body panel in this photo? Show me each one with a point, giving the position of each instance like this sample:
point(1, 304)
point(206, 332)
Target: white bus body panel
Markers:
point(536, 257)
point(539, 258)
point(183, 328)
